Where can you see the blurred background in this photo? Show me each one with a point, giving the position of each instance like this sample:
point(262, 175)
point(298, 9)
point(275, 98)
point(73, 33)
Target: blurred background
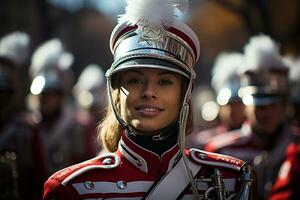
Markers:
point(51, 102)
point(84, 26)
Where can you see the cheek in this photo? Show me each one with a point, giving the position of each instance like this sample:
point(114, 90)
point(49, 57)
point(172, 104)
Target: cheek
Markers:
point(173, 99)
point(123, 105)
point(127, 101)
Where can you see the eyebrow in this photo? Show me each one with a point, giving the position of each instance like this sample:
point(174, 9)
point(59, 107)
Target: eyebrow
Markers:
point(164, 72)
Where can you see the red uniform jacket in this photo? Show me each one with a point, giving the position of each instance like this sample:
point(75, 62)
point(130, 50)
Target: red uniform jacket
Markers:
point(132, 171)
point(200, 139)
point(277, 168)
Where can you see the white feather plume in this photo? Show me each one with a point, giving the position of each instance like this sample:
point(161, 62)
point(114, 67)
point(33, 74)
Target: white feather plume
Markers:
point(294, 68)
point(87, 90)
point(66, 60)
point(154, 12)
point(182, 5)
point(15, 46)
point(51, 55)
point(92, 76)
point(262, 53)
point(225, 69)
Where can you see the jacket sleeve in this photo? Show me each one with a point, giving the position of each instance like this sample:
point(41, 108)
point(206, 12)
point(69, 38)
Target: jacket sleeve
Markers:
point(287, 184)
point(54, 190)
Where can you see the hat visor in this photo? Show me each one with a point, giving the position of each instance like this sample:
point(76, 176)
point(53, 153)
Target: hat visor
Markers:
point(149, 63)
point(258, 100)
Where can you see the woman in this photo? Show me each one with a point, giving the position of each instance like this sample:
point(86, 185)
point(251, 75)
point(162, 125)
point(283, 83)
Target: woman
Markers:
point(149, 85)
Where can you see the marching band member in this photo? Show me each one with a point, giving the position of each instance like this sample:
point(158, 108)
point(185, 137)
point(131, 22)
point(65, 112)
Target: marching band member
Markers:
point(265, 139)
point(90, 102)
point(294, 80)
point(226, 83)
point(149, 87)
point(19, 150)
point(62, 136)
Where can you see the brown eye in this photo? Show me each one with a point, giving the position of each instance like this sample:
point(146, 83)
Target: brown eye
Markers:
point(134, 81)
point(165, 82)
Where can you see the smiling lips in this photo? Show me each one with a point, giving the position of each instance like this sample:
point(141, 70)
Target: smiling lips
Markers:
point(148, 110)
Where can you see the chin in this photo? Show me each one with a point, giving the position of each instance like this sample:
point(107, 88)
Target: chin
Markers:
point(145, 128)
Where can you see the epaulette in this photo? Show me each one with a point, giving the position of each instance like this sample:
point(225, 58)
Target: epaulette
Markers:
point(215, 159)
point(105, 161)
point(223, 140)
point(293, 148)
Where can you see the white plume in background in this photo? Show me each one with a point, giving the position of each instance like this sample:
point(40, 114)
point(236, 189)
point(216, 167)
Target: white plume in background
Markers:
point(152, 12)
point(91, 76)
point(66, 60)
point(294, 68)
point(15, 46)
point(89, 88)
point(50, 55)
point(262, 52)
point(225, 69)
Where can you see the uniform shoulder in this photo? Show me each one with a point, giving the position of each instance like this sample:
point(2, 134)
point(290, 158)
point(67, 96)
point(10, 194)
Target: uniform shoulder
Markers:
point(215, 159)
point(293, 148)
point(105, 161)
point(223, 140)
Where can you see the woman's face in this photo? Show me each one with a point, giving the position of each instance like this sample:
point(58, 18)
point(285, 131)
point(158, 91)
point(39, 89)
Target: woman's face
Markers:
point(150, 99)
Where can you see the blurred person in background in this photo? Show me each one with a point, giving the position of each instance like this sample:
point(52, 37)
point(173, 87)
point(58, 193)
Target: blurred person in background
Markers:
point(90, 97)
point(206, 109)
point(294, 79)
point(265, 139)
point(62, 136)
point(226, 83)
point(20, 170)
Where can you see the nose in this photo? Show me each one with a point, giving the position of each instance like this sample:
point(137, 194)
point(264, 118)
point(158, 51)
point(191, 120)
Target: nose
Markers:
point(149, 91)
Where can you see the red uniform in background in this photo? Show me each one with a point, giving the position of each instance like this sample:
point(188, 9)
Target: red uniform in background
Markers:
point(226, 83)
point(21, 170)
point(199, 139)
point(266, 139)
point(287, 185)
point(275, 162)
point(64, 142)
point(63, 136)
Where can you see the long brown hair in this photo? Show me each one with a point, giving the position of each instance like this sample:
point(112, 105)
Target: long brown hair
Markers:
point(110, 130)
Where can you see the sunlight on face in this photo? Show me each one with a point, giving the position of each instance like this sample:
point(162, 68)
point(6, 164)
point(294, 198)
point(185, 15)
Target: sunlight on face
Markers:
point(150, 99)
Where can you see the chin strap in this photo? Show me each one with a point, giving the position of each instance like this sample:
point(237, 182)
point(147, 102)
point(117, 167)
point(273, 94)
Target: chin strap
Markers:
point(181, 141)
point(184, 112)
point(109, 91)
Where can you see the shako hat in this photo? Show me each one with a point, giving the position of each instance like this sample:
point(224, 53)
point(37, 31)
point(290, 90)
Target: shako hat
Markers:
point(225, 79)
point(50, 67)
point(151, 35)
point(14, 51)
point(264, 76)
point(88, 89)
point(294, 77)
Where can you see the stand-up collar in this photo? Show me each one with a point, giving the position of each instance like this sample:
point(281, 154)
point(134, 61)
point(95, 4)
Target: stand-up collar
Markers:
point(146, 160)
